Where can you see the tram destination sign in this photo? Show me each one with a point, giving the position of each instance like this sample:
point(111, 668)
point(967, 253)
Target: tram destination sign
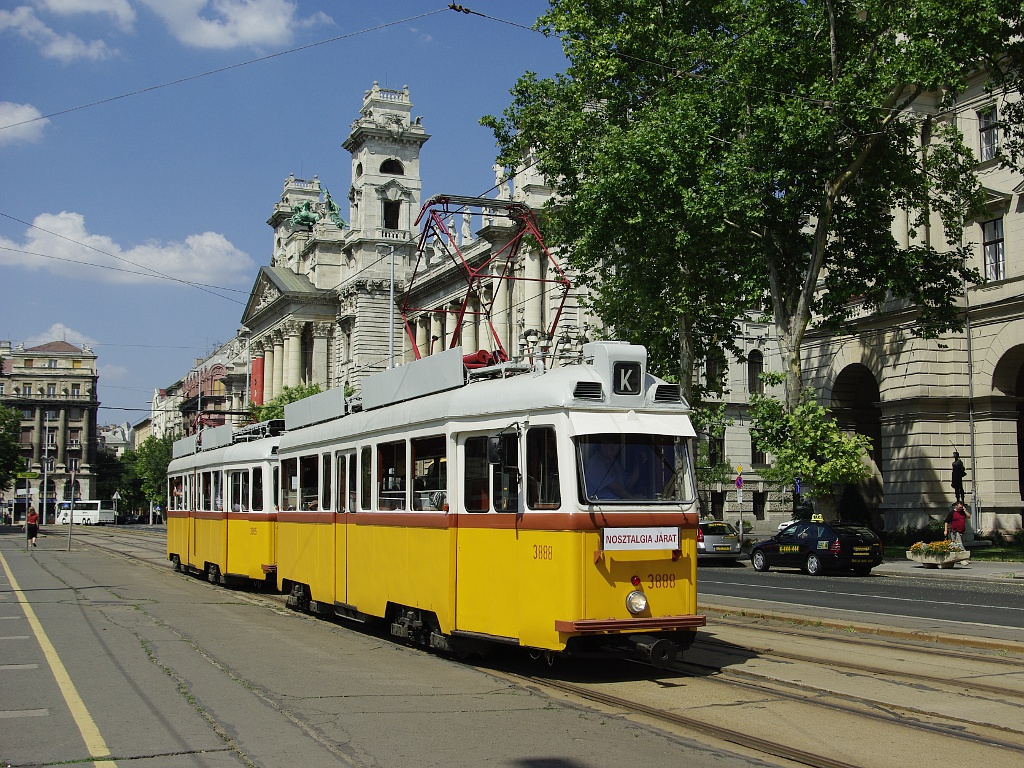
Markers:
point(641, 538)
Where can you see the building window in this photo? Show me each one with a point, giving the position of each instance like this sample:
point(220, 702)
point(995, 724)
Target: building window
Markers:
point(988, 128)
point(757, 458)
point(755, 367)
point(995, 259)
point(76, 390)
point(50, 463)
point(27, 413)
point(51, 390)
point(716, 450)
point(29, 362)
point(1, 388)
point(51, 363)
point(392, 166)
point(714, 369)
point(76, 363)
point(73, 464)
point(26, 436)
point(391, 210)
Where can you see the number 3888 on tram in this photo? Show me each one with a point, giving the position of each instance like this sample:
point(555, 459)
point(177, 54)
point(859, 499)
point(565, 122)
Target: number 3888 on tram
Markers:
point(553, 510)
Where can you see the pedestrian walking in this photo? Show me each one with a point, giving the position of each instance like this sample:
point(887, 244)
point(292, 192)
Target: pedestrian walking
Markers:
point(956, 523)
point(31, 525)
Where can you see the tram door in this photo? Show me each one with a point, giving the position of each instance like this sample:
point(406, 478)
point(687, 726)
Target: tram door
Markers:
point(344, 505)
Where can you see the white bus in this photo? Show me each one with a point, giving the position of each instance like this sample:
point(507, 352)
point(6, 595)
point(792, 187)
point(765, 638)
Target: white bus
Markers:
point(86, 512)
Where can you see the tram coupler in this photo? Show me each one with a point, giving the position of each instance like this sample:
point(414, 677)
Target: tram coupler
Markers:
point(657, 651)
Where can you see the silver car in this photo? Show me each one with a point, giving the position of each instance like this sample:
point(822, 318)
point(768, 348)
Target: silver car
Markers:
point(717, 541)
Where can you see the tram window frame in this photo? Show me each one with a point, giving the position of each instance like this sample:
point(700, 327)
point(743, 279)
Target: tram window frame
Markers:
point(325, 482)
point(542, 477)
point(257, 489)
point(238, 489)
point(429, 461)
point(365, 478)
point(392, 476)
point(276, 485)
point(476, 479)
point(176, 492)
point(642, 455)
point(505, 477)
point(289, 484)
point(341, 484)
point(353, 481)
point(309, 482)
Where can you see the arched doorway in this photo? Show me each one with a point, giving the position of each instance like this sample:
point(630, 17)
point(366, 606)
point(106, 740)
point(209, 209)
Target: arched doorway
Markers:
point(855, 398)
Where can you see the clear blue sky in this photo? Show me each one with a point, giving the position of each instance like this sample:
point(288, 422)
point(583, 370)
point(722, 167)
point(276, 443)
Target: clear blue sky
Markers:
point(180, 179)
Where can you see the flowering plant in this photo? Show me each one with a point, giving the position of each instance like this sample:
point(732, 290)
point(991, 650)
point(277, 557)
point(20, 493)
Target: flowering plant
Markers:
point(943, 547)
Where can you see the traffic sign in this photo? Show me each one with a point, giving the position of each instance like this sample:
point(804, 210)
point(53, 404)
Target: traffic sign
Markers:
point(28, 475)
point(796, 485)
point(739, 481)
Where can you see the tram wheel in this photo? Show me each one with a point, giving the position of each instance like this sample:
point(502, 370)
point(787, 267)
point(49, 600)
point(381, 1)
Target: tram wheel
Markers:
point(176, 563)
point(213, 574)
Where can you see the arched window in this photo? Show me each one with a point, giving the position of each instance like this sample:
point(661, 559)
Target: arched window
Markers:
point(755, 367)
point(393, 167)
point(359, 170)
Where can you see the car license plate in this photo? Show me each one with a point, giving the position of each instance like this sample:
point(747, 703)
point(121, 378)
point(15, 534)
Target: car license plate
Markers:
point(721, 548)
point(862, 550)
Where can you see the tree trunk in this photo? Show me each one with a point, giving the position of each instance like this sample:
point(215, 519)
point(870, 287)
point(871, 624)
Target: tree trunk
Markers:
point(685, 359)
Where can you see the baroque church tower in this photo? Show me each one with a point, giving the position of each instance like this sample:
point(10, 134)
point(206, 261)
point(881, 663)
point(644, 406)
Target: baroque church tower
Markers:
point(319, 314)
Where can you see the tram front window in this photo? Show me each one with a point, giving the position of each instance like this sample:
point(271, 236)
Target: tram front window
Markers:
point(634, 468)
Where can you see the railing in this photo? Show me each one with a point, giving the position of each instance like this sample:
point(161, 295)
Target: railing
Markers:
point(392, 234)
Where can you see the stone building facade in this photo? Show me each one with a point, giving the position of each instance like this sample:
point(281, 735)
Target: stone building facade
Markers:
point(919, 400)
point(54, 387)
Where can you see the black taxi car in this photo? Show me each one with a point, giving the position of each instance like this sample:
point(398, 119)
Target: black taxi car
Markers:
point(815, 546)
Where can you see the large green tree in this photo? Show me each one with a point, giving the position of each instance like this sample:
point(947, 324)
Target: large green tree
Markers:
point(11, 460)
point(147, 470)
point(779, 135)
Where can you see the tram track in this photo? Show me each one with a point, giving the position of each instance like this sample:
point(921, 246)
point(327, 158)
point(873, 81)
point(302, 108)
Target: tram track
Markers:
point(717, 684)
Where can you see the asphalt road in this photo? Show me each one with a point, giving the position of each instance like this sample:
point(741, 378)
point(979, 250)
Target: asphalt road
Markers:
point(984, 600)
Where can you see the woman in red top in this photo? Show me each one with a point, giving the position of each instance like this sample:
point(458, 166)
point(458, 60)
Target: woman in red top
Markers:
point(32, 525)
point(956, 523)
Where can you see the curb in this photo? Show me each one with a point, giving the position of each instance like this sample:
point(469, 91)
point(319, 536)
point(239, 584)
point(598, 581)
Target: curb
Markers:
point(899, 633)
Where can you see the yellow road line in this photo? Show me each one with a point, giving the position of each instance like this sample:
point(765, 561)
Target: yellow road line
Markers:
point(87, 727)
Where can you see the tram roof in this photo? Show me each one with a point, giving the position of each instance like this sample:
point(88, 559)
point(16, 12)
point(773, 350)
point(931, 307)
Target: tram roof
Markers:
point(585, 392)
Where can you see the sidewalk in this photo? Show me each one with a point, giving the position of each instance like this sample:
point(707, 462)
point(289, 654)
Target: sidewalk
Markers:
point(975, 569)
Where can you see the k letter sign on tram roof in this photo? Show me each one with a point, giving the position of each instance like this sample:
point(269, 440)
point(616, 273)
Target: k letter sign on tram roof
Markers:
point(628, 378)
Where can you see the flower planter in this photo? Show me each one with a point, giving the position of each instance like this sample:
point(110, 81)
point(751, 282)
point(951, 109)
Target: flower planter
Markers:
point(935, 560)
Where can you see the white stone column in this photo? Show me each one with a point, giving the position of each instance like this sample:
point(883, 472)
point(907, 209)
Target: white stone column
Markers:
point(293, 354)
point(499, 312)
point(470, 338)
point(423, 335)
point(534, 290)
point(268, 369)
point(436, 341)
point(321, 337)
point(278, 362)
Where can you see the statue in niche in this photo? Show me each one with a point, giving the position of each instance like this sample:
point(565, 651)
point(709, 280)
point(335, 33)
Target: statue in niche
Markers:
point(467, 226)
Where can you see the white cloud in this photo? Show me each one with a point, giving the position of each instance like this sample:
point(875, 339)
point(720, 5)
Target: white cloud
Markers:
point(226, 24)
point(67, 48)
point(72, 252)
point(119, 10)
point(115, 373)
point(24, 123)
point(60, 332)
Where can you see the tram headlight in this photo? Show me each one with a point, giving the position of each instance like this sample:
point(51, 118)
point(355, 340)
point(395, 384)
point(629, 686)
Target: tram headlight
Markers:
point(636, 602)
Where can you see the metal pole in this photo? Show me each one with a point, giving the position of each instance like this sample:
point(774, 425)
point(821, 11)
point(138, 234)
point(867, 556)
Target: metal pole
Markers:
point(975, 496)
point(391, 315)
point(71, 510)
point(46, 460)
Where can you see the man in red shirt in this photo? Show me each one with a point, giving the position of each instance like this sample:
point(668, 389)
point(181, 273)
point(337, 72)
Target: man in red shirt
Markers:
point(956, 523)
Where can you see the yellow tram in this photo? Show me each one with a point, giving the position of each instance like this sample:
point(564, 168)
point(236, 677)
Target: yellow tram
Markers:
point(222, 503)
point(549, 509)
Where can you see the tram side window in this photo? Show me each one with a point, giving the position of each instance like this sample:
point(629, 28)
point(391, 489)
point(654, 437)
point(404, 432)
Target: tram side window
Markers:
point(325, 479)
point(478, 471)
point(542, 469)
point(365, 478)
point(391, 475)
point(207, 491)
point(309, 482)
point(429, 473)
point(290, 484)
point(505, 481)
point(177, 493)
point(239, 488)
point(341, 485)
point(276, 485)
point(257, 489)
